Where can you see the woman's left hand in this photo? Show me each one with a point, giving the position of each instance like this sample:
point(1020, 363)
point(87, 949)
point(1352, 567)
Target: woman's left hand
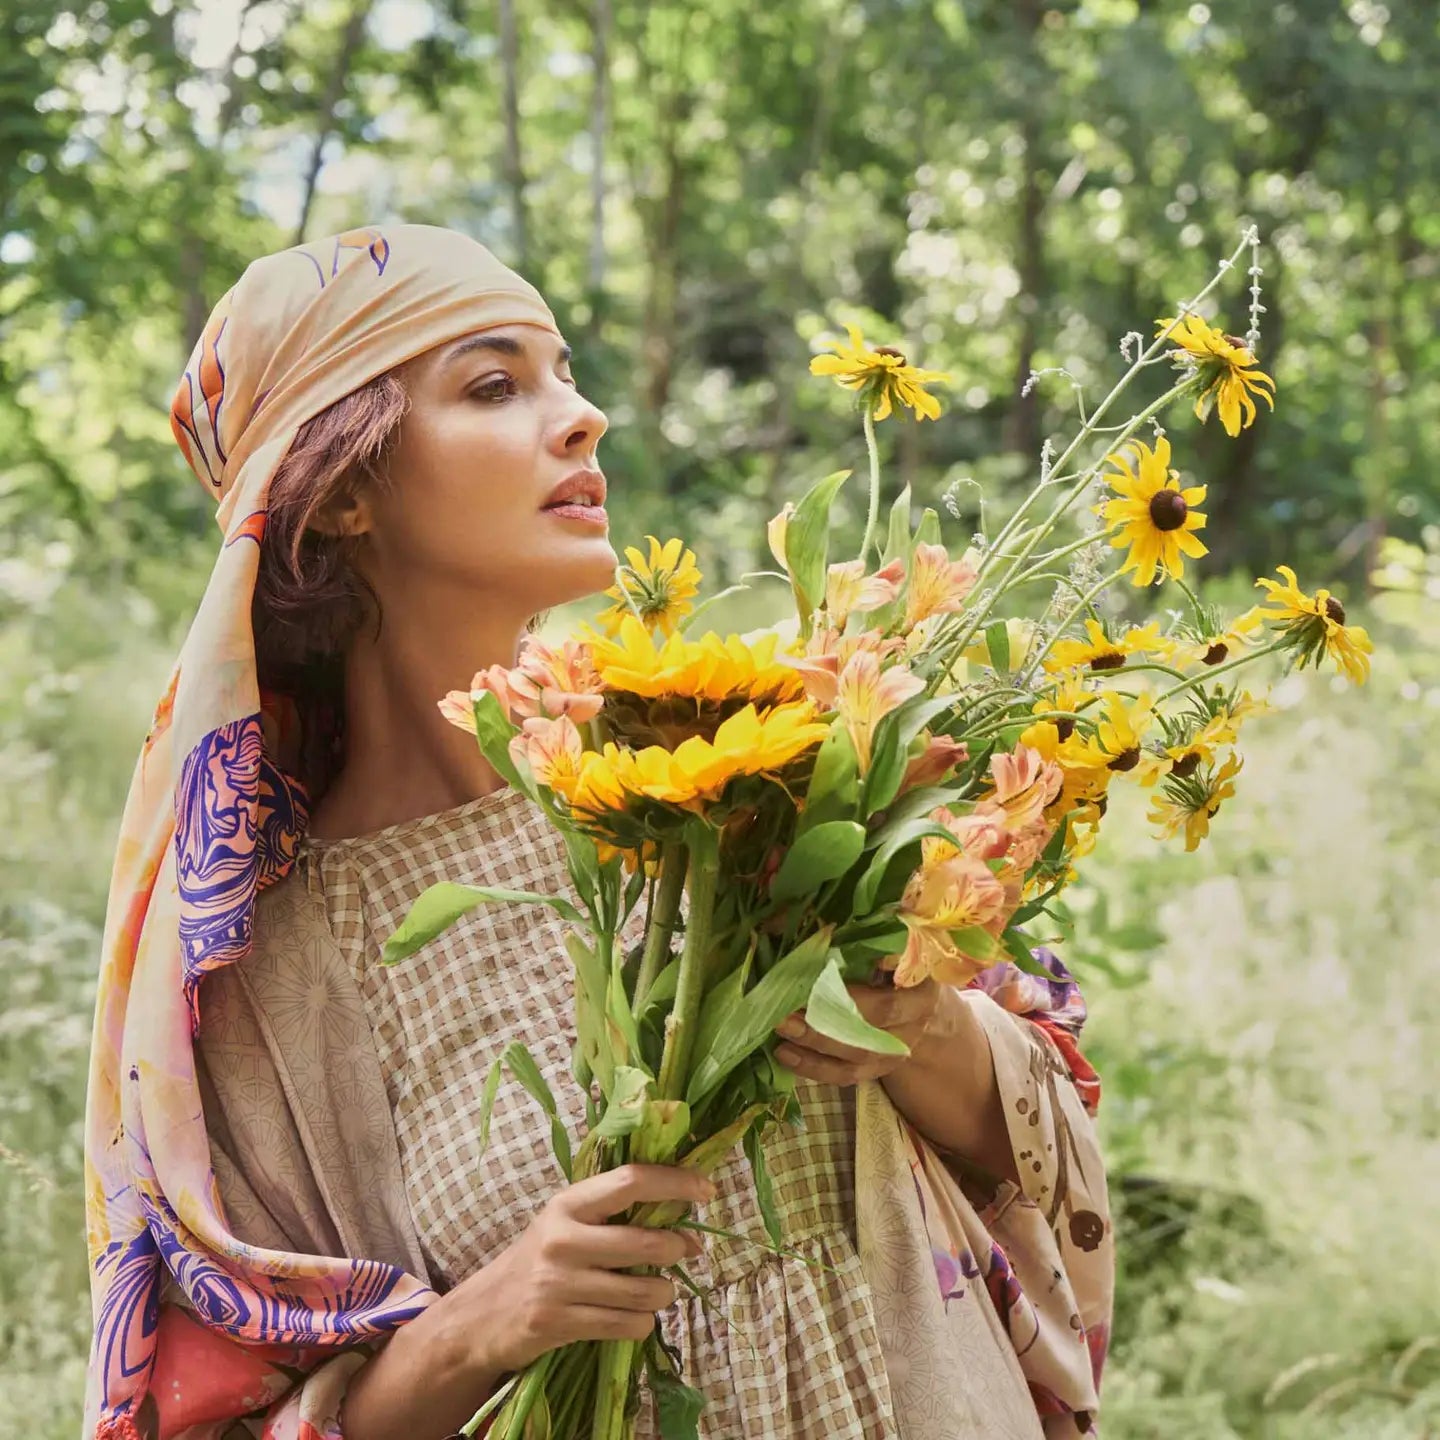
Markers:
point(907, 1013)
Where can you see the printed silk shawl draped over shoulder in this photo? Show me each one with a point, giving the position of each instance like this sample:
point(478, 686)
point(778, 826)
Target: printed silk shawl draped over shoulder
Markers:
point(211, 820)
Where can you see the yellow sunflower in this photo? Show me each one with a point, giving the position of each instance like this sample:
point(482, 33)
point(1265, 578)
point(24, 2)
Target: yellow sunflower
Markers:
point(1314, 626)
point(1226, 368)
point(883, 377)
point(711, 668)
point(750, 742)
point(1191, 802)
point(1153, 515)
point(1100, 652)
point(657, 587)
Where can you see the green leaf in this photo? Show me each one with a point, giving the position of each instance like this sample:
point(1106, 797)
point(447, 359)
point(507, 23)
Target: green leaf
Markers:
point(1018, 945)
point(833, 1012)
point(997, 642)
point(927, 532)
point(823, 853)
point(897, 537)
point(662, 989)
point(834, 784)
point(664, 1124)
point(620, 1020)
point(487, 1100)
point(764, 1188)
point(442, 905)
point(890, 754)
point(715, 1012)
point(523, 1067)
point(784, 988)
point(897, 837)
point(625, 1107)
point(807, 539)
point(678, 1406)
point(977, 942)
point(591, 983)
point(494, 730)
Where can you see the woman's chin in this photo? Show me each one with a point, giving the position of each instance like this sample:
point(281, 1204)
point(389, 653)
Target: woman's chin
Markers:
point(583, 570)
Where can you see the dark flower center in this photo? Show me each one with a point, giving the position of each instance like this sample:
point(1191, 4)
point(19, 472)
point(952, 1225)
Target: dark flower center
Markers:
point(1126, 759)
point(1168, 509)
point(1110, 660)
point(1334, 609)
point(1186, 765)
point(1064, 729)
point(1216, 653)
point(890, 350)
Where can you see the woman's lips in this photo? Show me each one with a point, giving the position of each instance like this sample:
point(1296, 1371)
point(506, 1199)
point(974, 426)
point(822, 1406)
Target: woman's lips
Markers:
point(588, 514)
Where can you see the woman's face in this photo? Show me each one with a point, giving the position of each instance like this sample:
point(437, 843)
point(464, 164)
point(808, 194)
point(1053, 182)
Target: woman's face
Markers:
point(495, 427)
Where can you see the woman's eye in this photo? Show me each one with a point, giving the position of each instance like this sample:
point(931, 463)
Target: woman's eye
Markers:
point(502, 387)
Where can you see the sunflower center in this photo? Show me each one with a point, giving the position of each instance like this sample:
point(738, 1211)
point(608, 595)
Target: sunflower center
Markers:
point(890, 350)
point(1334, 610)
point(1168, 509)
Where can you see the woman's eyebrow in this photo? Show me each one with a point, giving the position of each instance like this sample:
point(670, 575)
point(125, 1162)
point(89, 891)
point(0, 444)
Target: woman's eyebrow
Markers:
point(504, 344)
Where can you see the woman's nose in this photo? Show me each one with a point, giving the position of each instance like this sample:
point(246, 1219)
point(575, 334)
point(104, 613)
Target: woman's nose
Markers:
point(585, 427)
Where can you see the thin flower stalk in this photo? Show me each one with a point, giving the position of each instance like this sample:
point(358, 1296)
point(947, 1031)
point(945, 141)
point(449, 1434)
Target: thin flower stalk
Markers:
point(872, 514)
point(674, 862)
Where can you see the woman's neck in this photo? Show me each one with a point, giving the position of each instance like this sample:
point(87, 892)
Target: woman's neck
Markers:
point(403, 759)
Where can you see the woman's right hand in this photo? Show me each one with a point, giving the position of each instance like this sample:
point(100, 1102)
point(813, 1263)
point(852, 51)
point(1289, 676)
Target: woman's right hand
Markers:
point(561, 1281)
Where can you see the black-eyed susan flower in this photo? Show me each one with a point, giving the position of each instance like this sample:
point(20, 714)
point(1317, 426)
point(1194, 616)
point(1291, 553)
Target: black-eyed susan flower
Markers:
point(1314, 626)
point(1191, 802)
point(657, 588)
point(1099, 652)
point(1118, 735)
point(1152, 515)
point(1210, 641)
point(1191, 739)
point(883, 377)
point(1226, 368)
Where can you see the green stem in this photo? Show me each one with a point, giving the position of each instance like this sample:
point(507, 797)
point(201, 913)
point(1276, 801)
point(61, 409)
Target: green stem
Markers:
point(690, 986)
point(872, 516)
point(1215, 670)
point(1032, 665)
point(612, 1389)
point(510, 1424)
point(674, 859)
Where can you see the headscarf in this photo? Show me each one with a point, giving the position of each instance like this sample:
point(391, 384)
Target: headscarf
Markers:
point(212, 819)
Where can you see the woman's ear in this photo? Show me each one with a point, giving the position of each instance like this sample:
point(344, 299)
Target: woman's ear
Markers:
point(346, 515)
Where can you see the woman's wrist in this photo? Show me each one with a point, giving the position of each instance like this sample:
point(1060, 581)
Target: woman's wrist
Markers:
point(428, 1379)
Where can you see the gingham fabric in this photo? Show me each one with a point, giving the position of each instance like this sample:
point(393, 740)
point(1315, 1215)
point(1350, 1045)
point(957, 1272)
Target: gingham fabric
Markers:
point(342, 1100)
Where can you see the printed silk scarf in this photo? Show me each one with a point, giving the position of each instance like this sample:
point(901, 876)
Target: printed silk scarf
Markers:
point(210, 821)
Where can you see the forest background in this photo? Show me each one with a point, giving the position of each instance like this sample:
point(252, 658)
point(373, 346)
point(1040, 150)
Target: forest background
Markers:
point(701, 191)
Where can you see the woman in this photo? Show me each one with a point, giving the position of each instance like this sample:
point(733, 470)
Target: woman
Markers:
point(292, 1231)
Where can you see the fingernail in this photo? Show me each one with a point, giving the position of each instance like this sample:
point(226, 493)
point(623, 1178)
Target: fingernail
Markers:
point(791, 1028)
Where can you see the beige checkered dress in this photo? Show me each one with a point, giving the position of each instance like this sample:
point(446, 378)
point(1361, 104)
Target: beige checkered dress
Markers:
point(781, 1348)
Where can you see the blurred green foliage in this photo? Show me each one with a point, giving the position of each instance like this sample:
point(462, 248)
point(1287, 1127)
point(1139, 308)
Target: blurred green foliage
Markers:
point(996, 186)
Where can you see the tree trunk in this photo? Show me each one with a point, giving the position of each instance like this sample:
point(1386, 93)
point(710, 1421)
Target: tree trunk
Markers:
point(598, 105)
point(1022, 424)
point(514, 162)
point(350, 39)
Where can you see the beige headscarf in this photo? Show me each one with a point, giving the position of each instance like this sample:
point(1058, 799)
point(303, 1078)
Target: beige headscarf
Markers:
point(211, 820)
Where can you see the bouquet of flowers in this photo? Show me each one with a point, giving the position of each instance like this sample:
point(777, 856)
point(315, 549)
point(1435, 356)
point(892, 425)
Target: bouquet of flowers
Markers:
point(891, 786)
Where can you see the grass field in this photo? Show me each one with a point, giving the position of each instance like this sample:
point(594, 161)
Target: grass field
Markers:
point(1265, 1016)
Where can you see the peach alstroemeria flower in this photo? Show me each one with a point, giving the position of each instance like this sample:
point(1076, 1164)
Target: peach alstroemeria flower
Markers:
point(458, 707)
point(848, 589)
point(938, 584)
point(1025, 783)
point(866, 694)
point(954, 895)
point(553, 750)
point(556, 681)
point(940, 755)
